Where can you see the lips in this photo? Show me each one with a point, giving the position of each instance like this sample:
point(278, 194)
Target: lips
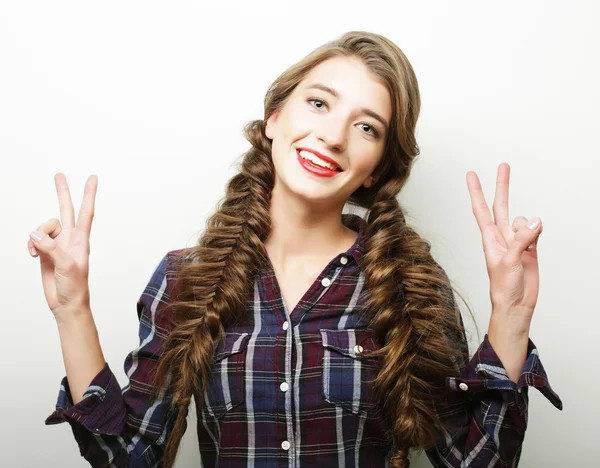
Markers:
point(321, 156)
point(314, 169)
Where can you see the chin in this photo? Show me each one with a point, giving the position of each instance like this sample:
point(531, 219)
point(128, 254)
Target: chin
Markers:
point(307, 189)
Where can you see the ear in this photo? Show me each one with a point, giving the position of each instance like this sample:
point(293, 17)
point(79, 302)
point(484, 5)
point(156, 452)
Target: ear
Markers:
point(373, 177)
point(369, 182)
point(270, 125)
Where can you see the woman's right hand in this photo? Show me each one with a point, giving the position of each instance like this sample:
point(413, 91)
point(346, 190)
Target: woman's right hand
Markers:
point(64, 250)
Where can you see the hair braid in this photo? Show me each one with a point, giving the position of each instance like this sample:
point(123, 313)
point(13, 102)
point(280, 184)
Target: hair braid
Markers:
point(416, 357)
point(214, 281)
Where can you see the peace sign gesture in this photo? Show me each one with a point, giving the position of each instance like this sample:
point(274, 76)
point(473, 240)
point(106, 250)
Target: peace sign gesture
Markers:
point(510, 250)
point(64, 249)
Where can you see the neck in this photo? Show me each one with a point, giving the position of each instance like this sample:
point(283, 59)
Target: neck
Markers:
point(303, 233)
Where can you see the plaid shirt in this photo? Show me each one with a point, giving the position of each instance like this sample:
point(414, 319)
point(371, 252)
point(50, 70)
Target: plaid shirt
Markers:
point(292, 389)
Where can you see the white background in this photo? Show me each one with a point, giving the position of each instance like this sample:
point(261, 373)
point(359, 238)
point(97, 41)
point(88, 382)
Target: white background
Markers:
point(152, 98)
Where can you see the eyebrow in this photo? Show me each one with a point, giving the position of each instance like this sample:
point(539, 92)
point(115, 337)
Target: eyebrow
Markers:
point(364, 110)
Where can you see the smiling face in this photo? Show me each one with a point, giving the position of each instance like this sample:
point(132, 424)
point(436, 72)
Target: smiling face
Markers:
point(341, 111)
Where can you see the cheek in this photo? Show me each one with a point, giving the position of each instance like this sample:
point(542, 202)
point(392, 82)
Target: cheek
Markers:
point(298, 122)
point(367, 159)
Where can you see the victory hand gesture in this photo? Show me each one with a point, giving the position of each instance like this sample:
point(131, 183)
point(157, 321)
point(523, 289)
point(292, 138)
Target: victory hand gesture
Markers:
point(510, 250)
point(64, 249)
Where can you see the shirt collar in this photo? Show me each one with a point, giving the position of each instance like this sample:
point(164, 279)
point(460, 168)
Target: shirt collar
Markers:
point(356, 223)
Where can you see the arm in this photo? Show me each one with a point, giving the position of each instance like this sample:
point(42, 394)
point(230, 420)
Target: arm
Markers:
point(114, 426)
point(81, 349)
point(485, 415)
point(487, 424)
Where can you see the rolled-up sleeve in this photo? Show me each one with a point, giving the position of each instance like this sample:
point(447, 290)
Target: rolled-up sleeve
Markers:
point(485, 372)
point(485, 415)
point(101, 410)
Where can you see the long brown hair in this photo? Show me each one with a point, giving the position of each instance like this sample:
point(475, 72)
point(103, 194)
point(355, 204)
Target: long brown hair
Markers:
point(409, 297)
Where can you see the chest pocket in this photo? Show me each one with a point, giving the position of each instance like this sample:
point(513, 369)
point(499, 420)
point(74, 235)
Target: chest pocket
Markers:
point(348, 370)
point(226, 389)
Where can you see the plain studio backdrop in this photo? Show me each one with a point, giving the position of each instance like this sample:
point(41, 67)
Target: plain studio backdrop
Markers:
point(152, 98)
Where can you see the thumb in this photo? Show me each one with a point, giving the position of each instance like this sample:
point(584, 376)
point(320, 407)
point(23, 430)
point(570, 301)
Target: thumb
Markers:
point(48, 246)
point(525, 237)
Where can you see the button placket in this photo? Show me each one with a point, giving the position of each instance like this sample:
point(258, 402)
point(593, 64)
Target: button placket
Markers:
point(284, 386)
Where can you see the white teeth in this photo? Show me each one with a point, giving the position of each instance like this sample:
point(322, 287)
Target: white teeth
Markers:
point(318, 161)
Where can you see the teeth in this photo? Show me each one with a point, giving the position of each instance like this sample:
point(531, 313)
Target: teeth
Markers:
point(318, 161)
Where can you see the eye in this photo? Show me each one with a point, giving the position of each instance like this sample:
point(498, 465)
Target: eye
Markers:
point(314, 101)
point(370, 129)
point(321, 104)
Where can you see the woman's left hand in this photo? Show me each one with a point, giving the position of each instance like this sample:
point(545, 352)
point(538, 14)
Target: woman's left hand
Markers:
point(510, 250)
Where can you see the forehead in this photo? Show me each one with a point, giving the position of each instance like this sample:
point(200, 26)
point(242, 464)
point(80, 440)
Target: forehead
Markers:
point(354, 82)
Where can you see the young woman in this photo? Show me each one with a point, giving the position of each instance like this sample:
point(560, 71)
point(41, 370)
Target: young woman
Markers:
point(308, 336)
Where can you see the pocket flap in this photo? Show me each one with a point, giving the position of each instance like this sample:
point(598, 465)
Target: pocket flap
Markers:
point(233, 343)
point(346, 342)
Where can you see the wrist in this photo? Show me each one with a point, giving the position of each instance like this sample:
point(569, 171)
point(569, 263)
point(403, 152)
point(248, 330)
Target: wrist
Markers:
point(510, 323)
point(509, 337)
point(67, 315)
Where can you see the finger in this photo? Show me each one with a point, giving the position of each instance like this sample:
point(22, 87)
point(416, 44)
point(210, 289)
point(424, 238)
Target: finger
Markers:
point(534, 245)
point(32, 250)
point(86, 212)
point(67, 213)
point(519, 222)
point(500, 206)
point(51, 227)
point(48, 246)
point(524, 237)
point(478, 203)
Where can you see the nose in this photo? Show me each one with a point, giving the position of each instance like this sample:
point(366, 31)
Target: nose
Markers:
point(332, 132)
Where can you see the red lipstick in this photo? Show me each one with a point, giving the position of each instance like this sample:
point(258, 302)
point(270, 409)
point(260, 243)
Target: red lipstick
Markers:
point(317, 170)
point(321, 156)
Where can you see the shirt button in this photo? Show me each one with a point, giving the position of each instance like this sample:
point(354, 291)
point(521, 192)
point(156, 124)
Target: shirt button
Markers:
point(285, 445)
point(463, 386)
point(286, 325)
point(284, 386)
point(325, 282)
point(358, 349)
point(343, 260)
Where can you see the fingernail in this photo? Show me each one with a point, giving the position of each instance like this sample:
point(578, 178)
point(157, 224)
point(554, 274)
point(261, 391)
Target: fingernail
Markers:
point(32, 250)
point(36, 236)
point(534, 223)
